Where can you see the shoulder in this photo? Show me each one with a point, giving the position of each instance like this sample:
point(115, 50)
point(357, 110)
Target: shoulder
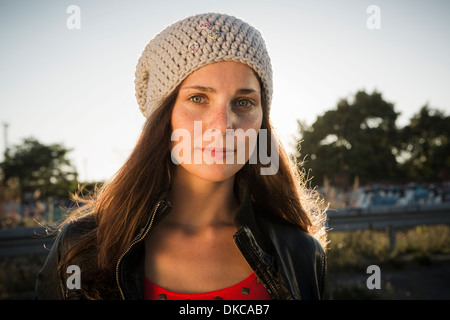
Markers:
point(49, 284)
point(293, 238)
point(72, 231)
point(301, 258)
point(284, 234)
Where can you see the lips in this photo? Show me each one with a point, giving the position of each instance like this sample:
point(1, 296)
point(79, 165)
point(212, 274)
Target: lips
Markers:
point(218, 152)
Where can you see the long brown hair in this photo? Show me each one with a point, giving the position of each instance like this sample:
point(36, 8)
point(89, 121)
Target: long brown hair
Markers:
point(121, 206)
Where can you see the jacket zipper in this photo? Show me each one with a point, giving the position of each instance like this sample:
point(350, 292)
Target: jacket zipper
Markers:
point(247, 251)
point(133, 243)
point(240, 239)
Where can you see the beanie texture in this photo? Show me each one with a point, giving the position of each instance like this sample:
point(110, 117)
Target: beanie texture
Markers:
point(192, 43)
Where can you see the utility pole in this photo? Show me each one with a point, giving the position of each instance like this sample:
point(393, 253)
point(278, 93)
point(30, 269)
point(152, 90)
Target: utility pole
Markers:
point(5, 136)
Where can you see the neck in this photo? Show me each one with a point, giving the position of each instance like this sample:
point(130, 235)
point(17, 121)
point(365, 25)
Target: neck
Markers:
point(200, 203)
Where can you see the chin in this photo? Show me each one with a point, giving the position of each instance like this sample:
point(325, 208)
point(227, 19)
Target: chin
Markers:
point(213, 172)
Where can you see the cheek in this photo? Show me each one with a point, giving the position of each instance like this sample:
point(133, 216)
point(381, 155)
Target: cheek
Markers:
point(253, 122)
point(246, 135)
point(176, 119)
point(181, 121)
point(180, 131)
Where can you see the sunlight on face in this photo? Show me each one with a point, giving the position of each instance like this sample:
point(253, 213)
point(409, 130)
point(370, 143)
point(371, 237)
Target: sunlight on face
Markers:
point(215, 120)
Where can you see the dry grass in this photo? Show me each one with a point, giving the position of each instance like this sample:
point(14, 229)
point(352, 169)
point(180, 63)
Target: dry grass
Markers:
point(355, 249)
point(412, 263)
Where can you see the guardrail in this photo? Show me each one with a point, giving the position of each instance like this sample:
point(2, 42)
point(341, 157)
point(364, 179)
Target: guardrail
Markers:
point(22, 241)
point(389, 210)
point(388, 217)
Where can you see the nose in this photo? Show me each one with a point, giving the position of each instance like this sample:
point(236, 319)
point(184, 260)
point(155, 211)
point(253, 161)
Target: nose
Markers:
point(221, 118)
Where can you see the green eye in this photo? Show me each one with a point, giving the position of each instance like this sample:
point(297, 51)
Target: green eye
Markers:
point(196, 99)
point(244, 103)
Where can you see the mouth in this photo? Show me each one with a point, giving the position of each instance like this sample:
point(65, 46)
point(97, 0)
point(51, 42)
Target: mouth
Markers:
point(218, 152)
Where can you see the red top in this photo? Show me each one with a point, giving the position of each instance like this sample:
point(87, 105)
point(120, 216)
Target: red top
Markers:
point(247, 289)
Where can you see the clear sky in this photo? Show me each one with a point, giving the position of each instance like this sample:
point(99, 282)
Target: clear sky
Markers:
point(76, 86)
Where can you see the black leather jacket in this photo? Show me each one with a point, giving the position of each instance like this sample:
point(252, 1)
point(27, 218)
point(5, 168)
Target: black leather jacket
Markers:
point(290, 263)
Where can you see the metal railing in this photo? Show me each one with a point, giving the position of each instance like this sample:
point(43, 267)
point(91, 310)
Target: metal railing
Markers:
point(21, 241)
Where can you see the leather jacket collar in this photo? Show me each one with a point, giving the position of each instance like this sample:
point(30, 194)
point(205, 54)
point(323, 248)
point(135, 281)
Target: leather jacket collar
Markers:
point(290, 263)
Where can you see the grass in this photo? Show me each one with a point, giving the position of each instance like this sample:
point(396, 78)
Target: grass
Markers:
point(356, 249)
point(351, 252)
point(18, 276)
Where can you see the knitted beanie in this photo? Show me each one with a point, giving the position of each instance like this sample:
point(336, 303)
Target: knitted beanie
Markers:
point(192, 43)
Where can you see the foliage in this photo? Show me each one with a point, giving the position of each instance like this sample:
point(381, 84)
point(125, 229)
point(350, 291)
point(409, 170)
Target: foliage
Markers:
point(360, 248)
point(426, 143)
point(361, 139)
point(18, 276)
point(419, 249)
point(42, 170)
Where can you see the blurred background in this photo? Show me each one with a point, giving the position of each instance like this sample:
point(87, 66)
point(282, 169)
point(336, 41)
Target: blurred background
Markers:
point(361, 100)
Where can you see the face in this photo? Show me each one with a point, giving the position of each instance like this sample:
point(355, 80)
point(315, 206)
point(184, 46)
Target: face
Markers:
point(215, 120)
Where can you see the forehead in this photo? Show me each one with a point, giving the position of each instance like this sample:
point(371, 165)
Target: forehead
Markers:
point(224, 74)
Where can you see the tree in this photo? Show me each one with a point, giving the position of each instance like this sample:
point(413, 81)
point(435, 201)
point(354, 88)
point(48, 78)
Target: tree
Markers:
point(355, 139)
point(425, 148)
point(39, 168)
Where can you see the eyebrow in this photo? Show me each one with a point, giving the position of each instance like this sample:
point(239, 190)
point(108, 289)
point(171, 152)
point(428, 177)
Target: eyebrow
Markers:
point(212, 90)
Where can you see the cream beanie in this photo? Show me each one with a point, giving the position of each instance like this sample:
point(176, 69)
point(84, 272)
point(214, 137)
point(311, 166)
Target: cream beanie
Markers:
point(192, 43)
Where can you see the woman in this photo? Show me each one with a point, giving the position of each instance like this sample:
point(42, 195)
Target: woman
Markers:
point(195, 213)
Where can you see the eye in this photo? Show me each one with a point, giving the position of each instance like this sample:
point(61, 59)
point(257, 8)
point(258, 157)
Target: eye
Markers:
point(197, 99)
point(244, 103)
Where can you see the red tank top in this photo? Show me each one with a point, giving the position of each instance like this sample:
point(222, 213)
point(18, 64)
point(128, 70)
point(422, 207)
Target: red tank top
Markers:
point(247, 289)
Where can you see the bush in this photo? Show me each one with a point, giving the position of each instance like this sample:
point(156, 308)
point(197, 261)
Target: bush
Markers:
point(358, 249)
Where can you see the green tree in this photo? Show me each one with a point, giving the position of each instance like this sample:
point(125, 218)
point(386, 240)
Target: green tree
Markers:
point(425, 149)
point(40, 168)
point(358, 138)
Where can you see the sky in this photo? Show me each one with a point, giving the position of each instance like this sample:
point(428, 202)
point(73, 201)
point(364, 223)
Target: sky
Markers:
point(76, 86)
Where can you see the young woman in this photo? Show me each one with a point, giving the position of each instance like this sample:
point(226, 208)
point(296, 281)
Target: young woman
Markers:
point(197, 211)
